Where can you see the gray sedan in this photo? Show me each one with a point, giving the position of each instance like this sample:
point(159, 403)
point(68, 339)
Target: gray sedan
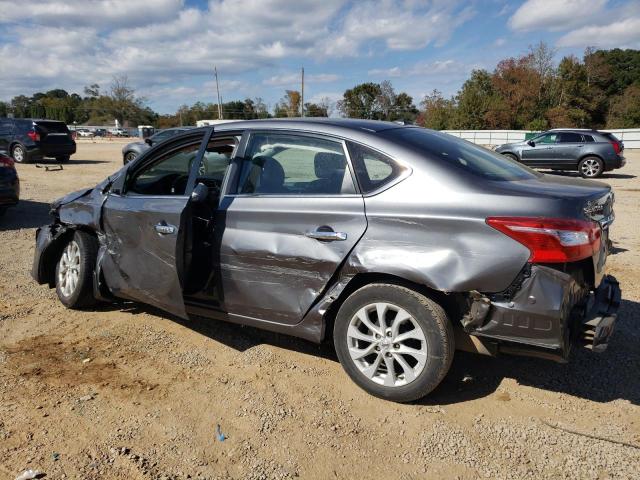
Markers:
point(131, 150)
point(396, 243)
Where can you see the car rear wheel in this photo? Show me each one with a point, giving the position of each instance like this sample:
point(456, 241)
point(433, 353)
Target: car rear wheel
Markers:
point(590, 167)
point(74, 271)
point(63, 159)
point(511, 156)
point(129, 157)
point(393, 342)
point(19, 154)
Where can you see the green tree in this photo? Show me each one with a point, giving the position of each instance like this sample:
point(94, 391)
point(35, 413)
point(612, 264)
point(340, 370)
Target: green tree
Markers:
point(361, 101)
point(474, 100)
point(625, 109)
point(437, 111)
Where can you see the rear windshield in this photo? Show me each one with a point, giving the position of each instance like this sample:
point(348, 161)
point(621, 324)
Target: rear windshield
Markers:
point(52, 127)
point(463, 155)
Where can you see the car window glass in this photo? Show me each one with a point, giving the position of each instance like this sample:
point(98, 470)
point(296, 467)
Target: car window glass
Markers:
point(548, 138)
point(460, 154)
point(52, 127)
point(215, 162)
point(373, 169)
point(287, 164)
point(160, 136)
point(168, 175)
point(570, 137)
point(587, 138)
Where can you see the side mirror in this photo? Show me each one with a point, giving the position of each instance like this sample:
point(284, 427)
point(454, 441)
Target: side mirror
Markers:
point(148, 141)
point(200, 193)
point(531, 143)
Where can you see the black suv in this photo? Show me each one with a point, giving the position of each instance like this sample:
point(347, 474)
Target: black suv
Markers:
point(590, 152)
point(28, 140)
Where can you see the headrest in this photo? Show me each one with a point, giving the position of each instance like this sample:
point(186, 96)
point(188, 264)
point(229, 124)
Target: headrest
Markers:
point(271, 175)
point(328, 164)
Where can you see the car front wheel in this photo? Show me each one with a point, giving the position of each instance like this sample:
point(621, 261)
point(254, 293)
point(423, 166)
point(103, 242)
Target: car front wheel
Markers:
point(393, 342)
point(129, 157)
point(590, 167)
point(511, 156)
point(74, 271)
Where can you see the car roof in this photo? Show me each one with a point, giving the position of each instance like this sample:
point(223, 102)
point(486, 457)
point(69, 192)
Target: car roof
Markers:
point(321, 124)
point(577, 130)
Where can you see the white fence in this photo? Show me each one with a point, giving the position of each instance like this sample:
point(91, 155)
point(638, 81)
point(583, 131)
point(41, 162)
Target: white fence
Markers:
point(630, 136)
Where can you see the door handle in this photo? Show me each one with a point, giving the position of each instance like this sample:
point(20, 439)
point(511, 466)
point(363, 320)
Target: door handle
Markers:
point(165, 229)
point(327, 236)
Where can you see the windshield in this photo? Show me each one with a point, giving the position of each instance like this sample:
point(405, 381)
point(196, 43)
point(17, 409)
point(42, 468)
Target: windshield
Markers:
point(52, 127)
point(463, 155)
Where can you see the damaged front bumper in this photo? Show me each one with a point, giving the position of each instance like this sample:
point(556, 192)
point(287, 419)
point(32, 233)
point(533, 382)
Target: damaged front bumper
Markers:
point(547, 312)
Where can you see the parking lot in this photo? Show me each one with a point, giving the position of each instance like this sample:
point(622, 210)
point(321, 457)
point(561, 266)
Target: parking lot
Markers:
point(127, 392)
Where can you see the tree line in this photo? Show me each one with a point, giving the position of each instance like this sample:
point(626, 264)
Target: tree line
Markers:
point(530, 92)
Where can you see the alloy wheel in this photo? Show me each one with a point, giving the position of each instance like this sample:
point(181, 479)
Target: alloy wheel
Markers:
point(18, 154)
point(387, 344)
point(590, 167)
point(69, 269)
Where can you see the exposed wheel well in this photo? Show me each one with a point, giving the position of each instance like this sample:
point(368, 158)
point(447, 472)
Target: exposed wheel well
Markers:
point(54, 251)
point(448, 302)
point(589, 155)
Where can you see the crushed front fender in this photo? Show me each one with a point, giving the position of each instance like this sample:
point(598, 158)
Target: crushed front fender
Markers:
point(49, 241)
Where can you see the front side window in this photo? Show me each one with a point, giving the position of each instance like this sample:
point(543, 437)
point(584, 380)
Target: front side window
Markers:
point(168, 174)
point(285, 164)
point(546, 139)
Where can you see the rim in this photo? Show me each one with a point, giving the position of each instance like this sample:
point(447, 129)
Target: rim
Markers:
point(387, 344)
point(18, 154)
point(130, 156)
point(69, 269)
point(590, 167)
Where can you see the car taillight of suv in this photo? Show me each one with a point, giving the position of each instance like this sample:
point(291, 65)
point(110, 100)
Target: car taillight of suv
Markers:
point(33, 135)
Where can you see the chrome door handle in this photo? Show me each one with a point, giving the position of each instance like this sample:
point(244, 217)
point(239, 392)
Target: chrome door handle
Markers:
point(329, 236)
point(165, 229)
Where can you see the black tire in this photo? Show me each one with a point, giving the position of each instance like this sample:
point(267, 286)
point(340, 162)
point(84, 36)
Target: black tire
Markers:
point(129, 157)
point(19, 154)
point(590, 167)
point(81, 296)
point(3, 210)
point(63, 159)
point(511, 156)
point(437, 332)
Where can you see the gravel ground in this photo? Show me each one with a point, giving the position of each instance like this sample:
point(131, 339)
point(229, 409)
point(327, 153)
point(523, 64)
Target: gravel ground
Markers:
point(126, 392)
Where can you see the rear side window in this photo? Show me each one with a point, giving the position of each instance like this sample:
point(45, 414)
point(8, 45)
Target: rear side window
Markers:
point(610, 136)
point(373, 169)
point(285, 164)
point(52, 127)
point(588, 138)
point(569, 137)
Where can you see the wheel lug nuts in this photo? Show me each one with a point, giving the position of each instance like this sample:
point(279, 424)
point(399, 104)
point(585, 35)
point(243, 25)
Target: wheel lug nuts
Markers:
point(387, 354)
point(396, 346)
point(389, 333)
point(377, 349)
point(377, 335)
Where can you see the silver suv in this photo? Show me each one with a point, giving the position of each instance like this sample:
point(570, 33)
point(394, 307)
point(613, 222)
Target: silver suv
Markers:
point(590, 152)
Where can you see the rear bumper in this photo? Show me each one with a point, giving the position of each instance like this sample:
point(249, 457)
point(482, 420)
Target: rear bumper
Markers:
point(549, 313)
point(51, 151)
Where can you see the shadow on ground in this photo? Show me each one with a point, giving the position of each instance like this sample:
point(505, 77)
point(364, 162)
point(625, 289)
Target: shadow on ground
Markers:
point(27, 214)
point(602, 377)
point(604, 176)
point(52, 161)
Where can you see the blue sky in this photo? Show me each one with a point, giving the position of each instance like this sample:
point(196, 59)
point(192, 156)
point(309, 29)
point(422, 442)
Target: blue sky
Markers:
point(168, 48)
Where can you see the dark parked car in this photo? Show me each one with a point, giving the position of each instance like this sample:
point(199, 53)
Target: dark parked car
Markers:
point(9, 183)
point(28, 140)
point(131, 150)
point(590, 152)
point(397, 243)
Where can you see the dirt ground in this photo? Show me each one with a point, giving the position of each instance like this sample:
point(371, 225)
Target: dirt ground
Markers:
point(126, 392)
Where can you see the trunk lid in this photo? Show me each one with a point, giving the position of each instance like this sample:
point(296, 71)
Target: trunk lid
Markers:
point(53, 133)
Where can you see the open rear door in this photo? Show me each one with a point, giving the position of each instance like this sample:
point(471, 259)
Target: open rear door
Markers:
point(146, 224)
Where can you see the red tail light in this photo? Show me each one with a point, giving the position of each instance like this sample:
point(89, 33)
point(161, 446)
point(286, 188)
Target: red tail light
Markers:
point(33, 135)
point(551, 240)
point(6, 161)
point(616, 147)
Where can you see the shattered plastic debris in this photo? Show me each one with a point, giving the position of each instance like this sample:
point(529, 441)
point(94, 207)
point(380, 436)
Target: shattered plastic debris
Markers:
point(219, 435)
point(55, 456)
point(29, 474)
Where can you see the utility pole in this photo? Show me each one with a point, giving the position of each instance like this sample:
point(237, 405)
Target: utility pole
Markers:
point(215, 70)
point(302, 95)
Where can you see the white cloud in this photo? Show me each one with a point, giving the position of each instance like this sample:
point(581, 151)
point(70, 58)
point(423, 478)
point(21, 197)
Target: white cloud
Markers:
point(555, 14)
point(622, 34)
point(74, 13)
point(499, 42)
point(295, 79)
point(436, 68)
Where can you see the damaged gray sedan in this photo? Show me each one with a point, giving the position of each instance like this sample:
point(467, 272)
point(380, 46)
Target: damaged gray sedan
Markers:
point(397, 243)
